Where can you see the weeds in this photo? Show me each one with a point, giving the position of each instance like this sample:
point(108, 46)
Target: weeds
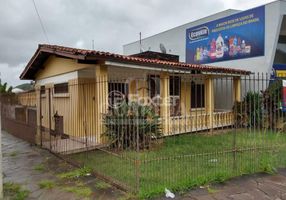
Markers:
point(128, 196)
point(14, 191)
point(13, 154)
point(211, 190)
point(80, 190)
point(102, 185)
point(47, 184)
point(39, 167)
point(81, 172)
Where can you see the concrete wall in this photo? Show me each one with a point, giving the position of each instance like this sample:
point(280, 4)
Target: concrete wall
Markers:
point(175, 40)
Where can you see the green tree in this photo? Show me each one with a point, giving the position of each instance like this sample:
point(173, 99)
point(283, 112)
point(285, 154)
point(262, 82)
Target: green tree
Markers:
point(4, 88)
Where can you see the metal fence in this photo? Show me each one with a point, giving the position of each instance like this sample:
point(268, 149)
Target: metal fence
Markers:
point(174, 131)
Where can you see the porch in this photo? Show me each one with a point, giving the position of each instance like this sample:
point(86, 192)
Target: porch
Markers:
point(200, 122)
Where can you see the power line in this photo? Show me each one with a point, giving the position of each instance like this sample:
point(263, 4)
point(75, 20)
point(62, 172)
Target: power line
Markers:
point(41, 22)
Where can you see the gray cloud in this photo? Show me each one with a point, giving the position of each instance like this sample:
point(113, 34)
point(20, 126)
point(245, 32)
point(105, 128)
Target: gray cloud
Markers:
point(109, 23)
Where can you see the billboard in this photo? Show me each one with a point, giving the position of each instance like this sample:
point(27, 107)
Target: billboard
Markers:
point(284, 95)
point(234, 37)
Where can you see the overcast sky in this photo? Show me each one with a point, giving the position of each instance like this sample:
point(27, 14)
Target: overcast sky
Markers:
point(110, 23)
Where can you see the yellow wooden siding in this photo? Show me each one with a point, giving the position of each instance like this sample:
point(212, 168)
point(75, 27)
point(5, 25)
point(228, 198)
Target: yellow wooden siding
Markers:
point(185, 98)
point(165, 108)
point(209, 100)
point(88, 109)
point(55, 66)
point(237, 89)
point(101, 99)
point(132, 90)
point(64, 105)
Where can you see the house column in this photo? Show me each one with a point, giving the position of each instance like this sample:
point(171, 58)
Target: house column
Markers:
point(76, 109)
point(101, 77)
point(185, 97)
point(142, 91)
point(49, 103)
point(165, 102)
point(209, 99)
point(132, 96)
point(236, 89)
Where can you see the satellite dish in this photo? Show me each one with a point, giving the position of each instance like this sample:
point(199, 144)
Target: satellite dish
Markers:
point(162, 48)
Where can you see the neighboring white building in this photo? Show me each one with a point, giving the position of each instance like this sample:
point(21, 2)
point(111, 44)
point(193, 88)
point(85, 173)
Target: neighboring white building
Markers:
point(274, 44)
point(17, 90)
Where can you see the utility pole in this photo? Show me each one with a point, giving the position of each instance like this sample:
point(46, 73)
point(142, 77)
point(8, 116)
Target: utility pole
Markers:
point(140, 42)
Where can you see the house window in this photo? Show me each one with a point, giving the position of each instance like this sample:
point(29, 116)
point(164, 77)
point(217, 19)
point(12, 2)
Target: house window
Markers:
point(61, 88)
point(154, 92)
point(154, 85)
point(175, 92)
point(43, 90)
point(197, 95)
point(117, 93)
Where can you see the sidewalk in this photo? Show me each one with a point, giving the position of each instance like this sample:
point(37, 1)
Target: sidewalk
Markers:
point(20, 163)
point(250, 187)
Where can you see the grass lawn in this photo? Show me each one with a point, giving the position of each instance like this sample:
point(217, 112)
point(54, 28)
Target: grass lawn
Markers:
point(185, 161)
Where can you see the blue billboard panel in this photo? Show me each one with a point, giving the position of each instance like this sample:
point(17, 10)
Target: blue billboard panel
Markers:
point(234, 37)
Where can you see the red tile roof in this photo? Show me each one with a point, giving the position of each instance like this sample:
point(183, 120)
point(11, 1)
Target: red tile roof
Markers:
point(45, 50)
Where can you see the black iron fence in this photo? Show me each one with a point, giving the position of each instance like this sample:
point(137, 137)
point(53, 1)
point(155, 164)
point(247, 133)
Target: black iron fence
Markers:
point(166, 130)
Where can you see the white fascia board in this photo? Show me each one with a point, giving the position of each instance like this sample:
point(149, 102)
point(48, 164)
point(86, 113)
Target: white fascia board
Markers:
point(224, 74)
point(111, 63)
point(63, 78)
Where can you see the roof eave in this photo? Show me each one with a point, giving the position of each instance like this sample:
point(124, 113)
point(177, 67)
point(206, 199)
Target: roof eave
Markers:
point(44, 51)
point(174, 67)
point(24, 74)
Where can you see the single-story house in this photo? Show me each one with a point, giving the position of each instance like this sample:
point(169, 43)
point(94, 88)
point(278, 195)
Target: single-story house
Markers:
point(74, 87)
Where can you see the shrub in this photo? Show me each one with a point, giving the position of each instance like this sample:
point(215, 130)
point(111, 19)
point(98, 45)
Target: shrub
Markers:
point(272, 98)
point(261, 110)
point(248, 113)
point(129, 125)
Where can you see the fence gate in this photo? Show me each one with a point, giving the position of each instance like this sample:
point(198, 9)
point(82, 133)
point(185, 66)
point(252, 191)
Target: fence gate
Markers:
point(53, 104)
point(46, 119)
